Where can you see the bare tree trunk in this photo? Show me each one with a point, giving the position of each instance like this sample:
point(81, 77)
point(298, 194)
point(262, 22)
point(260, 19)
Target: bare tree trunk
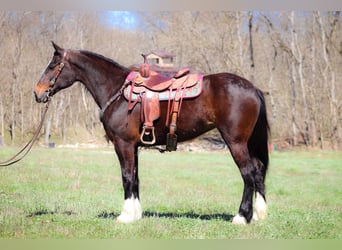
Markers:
point(298, 58)
point(293, 104)
point(72, 119)
point(238, 31)
point(22, 125)
point(329, 81)
point(2, 135)
point(49, 119)
point(59, 110)
point(12, 123)
point(315, 109)
point(17, 40)
point(47, 130)
point(251, 48)
point(64, 129)
point(271, 65)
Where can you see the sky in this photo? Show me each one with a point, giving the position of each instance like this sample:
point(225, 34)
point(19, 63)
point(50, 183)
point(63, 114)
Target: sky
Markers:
point(120, 19)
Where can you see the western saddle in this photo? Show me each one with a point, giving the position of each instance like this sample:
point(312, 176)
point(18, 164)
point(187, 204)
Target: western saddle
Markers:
point(149, 87)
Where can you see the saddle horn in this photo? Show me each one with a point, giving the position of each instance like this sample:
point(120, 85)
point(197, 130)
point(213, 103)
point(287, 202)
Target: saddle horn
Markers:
point(144, 68)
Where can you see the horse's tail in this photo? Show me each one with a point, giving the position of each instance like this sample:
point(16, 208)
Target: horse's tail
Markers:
point(258, 142)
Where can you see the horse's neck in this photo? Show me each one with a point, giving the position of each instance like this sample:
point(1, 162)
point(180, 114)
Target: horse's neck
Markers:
point(103, 80)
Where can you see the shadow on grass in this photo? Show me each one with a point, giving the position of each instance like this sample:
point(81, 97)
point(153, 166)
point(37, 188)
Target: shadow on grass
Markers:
point(171, 215)
point(151, 214)
point(42, 212)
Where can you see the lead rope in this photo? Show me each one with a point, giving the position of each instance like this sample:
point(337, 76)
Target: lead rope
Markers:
point(26, 149)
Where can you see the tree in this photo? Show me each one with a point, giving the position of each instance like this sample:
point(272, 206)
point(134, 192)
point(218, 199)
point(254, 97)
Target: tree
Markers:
point(295, 57)
point(329, 78)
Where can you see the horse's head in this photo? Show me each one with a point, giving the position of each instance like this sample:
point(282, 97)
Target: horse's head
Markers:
point(56, 76)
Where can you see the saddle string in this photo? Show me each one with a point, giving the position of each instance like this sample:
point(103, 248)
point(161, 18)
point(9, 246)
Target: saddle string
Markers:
point(178, 98)
point(22, 153)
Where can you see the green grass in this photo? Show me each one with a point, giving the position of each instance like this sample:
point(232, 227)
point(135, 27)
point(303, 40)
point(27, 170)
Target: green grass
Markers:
point(69, 193)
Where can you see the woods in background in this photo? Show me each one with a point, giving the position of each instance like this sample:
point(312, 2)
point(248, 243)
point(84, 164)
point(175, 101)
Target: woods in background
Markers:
point(294, 57)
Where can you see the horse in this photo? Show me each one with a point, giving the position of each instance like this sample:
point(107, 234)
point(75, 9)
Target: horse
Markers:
point(228, 102)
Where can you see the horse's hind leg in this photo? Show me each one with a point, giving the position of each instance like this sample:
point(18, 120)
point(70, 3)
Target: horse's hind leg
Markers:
point(247, 169)
point(253, 174)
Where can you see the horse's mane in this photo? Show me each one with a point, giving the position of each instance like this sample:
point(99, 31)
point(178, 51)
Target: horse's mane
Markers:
point(103, 58)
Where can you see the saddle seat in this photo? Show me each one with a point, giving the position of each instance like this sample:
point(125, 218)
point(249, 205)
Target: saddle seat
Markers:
point(158, 82)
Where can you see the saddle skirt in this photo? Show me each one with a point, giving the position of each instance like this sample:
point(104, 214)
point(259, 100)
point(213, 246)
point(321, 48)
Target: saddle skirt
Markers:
point(188, 86)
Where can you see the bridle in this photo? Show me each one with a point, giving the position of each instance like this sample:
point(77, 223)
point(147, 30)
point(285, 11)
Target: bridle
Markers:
point(108, 103)
point(55, 77)
point(57, 73)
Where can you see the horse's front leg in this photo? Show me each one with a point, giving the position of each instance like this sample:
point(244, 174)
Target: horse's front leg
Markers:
point(128, 157)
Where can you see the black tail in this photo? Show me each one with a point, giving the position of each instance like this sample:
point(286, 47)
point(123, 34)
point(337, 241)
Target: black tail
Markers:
point(258, 142)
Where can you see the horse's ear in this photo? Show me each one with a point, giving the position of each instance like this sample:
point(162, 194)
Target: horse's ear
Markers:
point(57, 48)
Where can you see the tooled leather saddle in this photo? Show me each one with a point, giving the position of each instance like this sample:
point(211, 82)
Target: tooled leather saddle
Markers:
point(149, 88)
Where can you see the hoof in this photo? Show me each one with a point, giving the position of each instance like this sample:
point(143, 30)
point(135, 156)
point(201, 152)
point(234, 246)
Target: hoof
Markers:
point(239, 220)
point(126, 218)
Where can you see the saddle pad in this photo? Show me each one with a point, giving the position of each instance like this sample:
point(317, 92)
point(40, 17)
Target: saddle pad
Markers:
point(189, 92)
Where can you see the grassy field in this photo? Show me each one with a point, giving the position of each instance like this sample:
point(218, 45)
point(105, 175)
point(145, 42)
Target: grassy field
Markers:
point(70, 193)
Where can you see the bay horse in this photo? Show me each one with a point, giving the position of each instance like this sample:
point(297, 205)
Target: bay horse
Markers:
point(228, 102)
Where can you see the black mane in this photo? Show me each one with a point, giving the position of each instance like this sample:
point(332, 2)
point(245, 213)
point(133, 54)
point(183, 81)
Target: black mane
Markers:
point(103, 58)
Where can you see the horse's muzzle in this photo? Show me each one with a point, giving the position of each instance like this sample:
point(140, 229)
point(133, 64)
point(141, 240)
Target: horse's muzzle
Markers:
point(41, 98)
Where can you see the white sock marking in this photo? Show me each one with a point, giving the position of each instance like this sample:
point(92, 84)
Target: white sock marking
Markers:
point(260, 211)
point(131, 211)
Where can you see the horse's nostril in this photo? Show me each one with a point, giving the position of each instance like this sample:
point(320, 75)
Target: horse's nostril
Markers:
point(36, 96)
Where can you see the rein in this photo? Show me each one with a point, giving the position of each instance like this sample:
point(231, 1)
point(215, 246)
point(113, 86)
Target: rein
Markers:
point(26, 149)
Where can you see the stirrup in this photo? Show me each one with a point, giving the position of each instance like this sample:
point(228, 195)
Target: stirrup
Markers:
point(148, 133)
